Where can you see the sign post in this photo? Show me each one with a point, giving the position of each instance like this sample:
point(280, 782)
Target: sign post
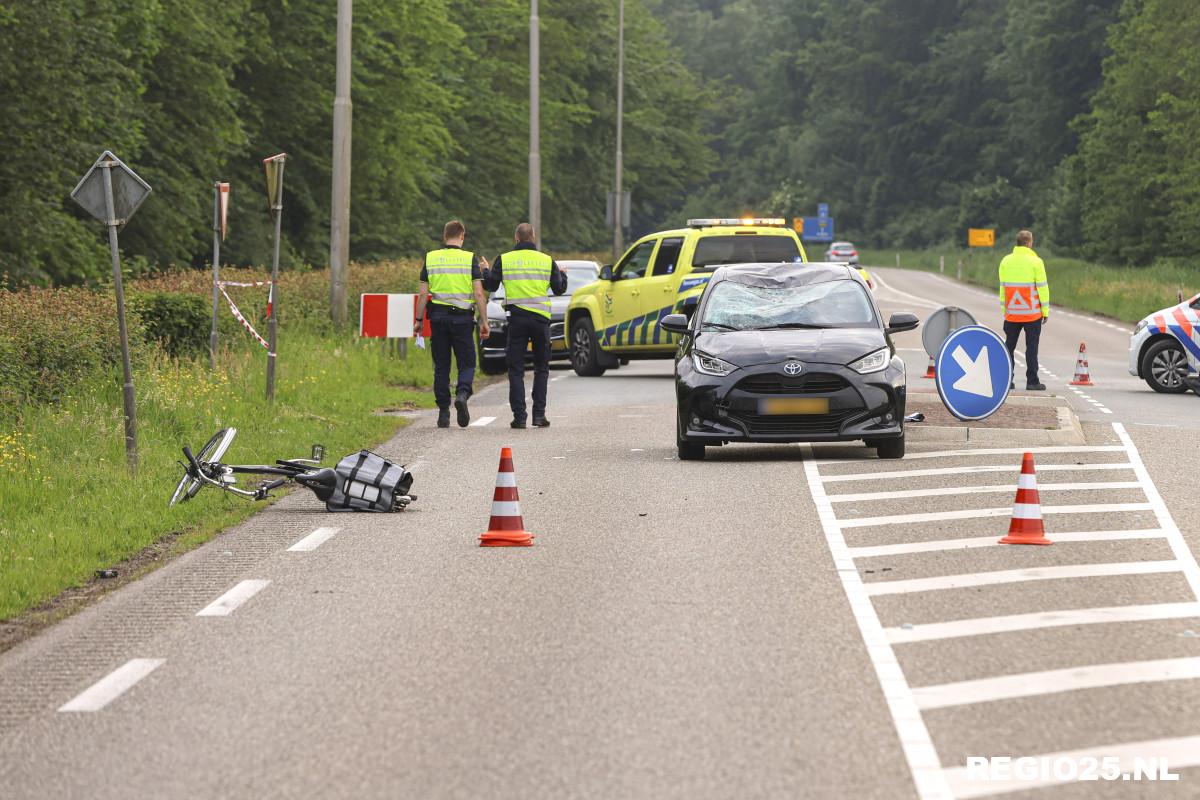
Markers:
point(220, 215)
point(111, 192)
point(274, 168)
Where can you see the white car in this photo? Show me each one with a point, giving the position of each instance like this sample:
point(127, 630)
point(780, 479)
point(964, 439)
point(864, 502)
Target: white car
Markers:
point(1165, 348)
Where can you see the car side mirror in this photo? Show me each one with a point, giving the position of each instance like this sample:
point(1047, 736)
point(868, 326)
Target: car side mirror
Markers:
point(902, 321)
point(606, 272)
point(674, 323)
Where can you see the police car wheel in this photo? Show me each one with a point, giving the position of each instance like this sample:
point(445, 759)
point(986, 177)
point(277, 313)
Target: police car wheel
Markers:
point(1165, 366)
point(585, 355)
point(890, 448)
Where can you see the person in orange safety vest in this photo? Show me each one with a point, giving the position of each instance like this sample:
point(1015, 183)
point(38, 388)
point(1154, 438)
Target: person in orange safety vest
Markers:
point(1025, 294)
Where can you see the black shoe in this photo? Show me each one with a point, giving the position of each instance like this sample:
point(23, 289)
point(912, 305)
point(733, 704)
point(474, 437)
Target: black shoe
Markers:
point(460, 405)
point(443, 418)
point(1011, 386)
point(517, 423)
point(541, 422)
point(1035, 387)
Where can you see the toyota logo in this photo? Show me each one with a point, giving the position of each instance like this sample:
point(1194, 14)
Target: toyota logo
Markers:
point(793, 367)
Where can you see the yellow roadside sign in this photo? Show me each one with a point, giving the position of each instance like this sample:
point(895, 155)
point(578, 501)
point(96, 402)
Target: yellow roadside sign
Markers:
point(798, 224)
point(981, 237)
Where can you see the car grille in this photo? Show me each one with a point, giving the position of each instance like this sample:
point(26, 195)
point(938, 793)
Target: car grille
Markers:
point(795, 423)
point(814, 383)
point(556, 330)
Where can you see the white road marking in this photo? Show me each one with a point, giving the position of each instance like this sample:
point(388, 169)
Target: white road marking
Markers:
point(636, 450)
point(983, 513)
point(479, 423)
point(113, 685)
point(227, 603)
point(1020, 576)
point(915, 741)
point(1179, 753)
point(993, 451)
point(875, 551)
point(1041, 619)
point(912, 298)
point(313, 540)
point(951, 491)
point(1179, 548)
point(1030, 684)
point(1014, 469)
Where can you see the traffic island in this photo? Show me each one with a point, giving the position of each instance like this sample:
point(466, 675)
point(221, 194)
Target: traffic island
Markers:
point(1021, 421)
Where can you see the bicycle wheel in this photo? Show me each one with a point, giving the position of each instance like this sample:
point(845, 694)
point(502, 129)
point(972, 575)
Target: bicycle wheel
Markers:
point(189, 485)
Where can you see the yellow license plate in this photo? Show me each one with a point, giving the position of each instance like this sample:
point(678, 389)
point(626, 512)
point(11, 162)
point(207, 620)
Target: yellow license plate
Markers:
point(794, 405)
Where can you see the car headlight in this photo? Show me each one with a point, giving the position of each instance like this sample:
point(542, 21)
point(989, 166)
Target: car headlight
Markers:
point(1141, 326)
point(873, 362)
point(497, 324)
point(710, 365)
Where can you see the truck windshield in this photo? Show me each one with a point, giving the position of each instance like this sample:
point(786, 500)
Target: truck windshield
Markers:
point(834, 304)
point(715, 251)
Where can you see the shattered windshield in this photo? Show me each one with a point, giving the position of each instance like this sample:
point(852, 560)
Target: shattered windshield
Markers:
point(833, 304)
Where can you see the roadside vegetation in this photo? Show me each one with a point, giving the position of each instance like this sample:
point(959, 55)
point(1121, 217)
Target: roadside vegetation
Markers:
point(1124, 293)
point(67, 505)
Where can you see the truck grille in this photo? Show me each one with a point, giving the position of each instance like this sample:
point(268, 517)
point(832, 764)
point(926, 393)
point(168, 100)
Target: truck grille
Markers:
point(813, 383)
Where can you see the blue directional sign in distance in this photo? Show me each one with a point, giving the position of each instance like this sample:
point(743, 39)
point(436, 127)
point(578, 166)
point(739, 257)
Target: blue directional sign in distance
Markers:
point(974, 372)
point(818, 229)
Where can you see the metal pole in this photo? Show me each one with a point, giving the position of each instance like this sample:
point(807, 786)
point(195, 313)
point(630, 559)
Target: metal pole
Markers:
point(131, 448)
point(273, 302)
point(535, 113)
point(618, 212)
point(216, 269)
point(339, 222)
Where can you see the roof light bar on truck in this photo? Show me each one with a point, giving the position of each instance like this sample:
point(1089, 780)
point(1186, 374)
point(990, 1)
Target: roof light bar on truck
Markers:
point(772, 222)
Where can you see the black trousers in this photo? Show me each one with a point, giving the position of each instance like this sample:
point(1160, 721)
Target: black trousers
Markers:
point(523, 331)
point(1033, 337)
point(452, 333)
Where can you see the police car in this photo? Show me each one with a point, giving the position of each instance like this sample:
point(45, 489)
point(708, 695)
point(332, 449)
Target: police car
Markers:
point(618, 317)
point(1165, 348)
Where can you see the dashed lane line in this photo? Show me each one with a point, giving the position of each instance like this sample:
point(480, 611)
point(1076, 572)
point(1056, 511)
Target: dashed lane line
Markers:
point(997, 577)
point(983, 513)
point(1031, 684)
point(955, 491)
point(229, 602)
point(980, 626)
point(113, 685)
point(920, 473)
point(875, 551)
point(313, 540)
point(479, 423)
point(1178, 752)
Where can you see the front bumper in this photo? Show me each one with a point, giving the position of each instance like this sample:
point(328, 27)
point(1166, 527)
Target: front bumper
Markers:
point(1136, 342)
point(715, 410)
point(496, 345)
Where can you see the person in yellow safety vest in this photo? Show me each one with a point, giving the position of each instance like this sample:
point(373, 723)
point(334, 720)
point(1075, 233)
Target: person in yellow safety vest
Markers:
point(452, 286)
point(528, 277)
point(1025, 294)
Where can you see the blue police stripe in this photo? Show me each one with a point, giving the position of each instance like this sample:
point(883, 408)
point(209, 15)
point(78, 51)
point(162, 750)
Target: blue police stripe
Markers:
point(1185, 340)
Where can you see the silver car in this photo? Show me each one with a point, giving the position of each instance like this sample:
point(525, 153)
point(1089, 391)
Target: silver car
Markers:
point(843, 253)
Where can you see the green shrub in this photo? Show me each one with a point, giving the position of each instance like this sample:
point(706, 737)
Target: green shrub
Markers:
point(179, 323)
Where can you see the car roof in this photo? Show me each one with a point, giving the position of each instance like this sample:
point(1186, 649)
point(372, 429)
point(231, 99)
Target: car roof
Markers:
point(842, 244)
point(785, 274)
point(578, 263)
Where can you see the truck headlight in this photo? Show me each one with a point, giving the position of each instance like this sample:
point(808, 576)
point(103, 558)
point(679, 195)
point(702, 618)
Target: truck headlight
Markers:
point(709, 365)
point(873, 362)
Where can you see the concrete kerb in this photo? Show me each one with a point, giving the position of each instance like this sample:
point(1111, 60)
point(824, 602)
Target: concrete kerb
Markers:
point(1067, 432)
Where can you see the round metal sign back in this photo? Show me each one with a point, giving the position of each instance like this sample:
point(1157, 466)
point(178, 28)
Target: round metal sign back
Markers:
point(941, 324)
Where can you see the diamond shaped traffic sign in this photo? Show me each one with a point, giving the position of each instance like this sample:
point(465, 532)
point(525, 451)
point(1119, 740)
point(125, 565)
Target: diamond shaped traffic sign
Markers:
point(128, 190)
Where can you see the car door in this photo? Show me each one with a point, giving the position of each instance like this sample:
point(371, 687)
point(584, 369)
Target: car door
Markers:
point(658, 296)
point(624, 303)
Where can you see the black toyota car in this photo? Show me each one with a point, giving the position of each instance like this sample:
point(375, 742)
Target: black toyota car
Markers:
point(778, 354)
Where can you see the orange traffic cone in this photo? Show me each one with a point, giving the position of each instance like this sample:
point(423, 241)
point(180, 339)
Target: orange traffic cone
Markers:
point(506, 528)
point(931, 371)
point(1026, 526)
point(1082, 378)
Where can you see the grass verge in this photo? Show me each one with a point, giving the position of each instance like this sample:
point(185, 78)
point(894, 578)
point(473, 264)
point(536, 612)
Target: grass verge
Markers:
point(68, 506)
point(1124, 293)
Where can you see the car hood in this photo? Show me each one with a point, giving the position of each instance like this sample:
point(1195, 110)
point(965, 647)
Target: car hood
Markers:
point(824, 346)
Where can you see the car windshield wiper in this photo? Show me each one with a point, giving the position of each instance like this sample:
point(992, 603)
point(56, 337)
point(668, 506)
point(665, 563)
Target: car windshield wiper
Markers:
point(789, 325)
point(721, 326)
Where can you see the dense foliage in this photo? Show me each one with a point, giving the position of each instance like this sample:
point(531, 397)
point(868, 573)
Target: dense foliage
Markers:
point(914, 119)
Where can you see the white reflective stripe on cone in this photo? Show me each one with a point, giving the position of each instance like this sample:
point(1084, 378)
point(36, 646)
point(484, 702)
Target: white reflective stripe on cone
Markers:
point(1027, 481)
point(506, 508)
point(506, 480)
point(1027, 511)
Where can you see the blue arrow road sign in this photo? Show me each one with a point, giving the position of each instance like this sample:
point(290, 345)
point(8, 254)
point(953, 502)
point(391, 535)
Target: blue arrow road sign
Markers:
point(822, 209)
point(974, 372)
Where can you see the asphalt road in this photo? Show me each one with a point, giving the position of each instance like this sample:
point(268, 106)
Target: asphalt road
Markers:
point(761, 624)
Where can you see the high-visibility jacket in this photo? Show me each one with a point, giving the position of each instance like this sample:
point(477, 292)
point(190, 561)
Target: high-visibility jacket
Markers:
point(527, 280)
point(1024, 291)
point(449, 273)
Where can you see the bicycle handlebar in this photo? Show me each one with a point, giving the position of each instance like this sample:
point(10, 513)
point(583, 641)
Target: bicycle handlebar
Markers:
point(191, 459)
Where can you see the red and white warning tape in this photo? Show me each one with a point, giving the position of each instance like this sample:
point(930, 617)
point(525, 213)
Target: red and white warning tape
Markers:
point(243, 285)
point(238, 314)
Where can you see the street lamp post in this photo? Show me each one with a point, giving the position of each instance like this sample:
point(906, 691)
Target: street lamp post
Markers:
point(339, 223)
point(535, 138)
point(618, 211)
